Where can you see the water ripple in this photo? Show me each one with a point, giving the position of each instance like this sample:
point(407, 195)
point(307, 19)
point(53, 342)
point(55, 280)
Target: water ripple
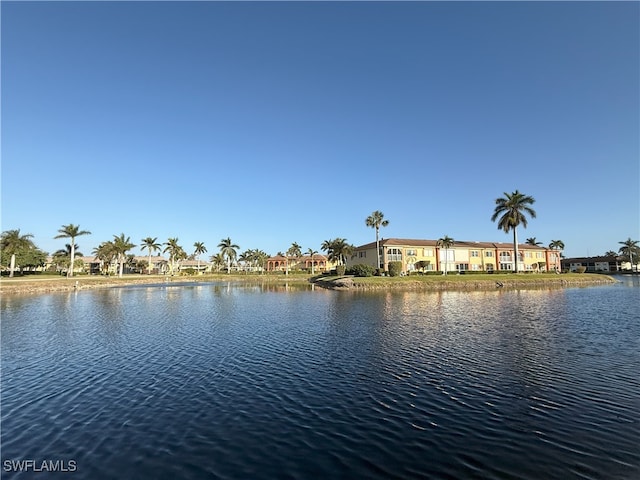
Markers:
point(216, 381)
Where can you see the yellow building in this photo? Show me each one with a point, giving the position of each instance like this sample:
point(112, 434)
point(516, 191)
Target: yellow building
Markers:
point(427, 256)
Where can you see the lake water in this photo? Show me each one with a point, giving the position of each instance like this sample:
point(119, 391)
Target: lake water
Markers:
point(248, 382)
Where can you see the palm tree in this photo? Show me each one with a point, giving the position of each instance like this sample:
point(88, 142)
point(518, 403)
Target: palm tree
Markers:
point(71, 231)
point(629, 247)
point(533, 242)
point(445, 242)
point(12, 243)
point(311, 252)
point(556, 245)
point(62, 257)
point(513, 208)
point(228, 250)
point(610, 253)
point(176, 252)
point(121, 246)
point(217, 260)
point(199, 250)
point(337, 250)
point(105, 252)
point(295, 251)
point(152, 245)
point(376, 220)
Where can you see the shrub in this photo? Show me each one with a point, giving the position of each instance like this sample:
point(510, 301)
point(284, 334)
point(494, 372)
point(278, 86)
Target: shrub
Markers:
point(395, 268)
point(581, 269)
point(361, 270)
point(188, 271)
point(340, 270)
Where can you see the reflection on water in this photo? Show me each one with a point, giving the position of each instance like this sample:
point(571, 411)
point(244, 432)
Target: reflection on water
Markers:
point(260, 381)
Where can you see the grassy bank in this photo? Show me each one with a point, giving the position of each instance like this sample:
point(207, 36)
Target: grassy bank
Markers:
point(44, 284)
point(34, 284)
point(465, 282)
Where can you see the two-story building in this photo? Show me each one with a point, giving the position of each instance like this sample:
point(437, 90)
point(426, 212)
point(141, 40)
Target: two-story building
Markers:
point(426, 256)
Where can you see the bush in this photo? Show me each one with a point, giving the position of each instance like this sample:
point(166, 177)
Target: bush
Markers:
point(188, 271)
point(581, 269)
point(395, 268)
point(340, 270)
point(361, 270)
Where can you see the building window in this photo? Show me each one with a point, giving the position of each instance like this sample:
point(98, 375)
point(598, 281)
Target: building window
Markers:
point(527, 254)
point(362, 254)
point(394, 255)
point(488, 253)
point(475, 253)
point(505, 266)
point(462, 266)
point(476, 267)
point(539, 254)
point(411, 252)
point(505, 256)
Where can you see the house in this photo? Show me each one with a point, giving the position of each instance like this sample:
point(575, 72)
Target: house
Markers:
point(199, 267)
point(594, 264)
point(279, 263)
point(426, 256)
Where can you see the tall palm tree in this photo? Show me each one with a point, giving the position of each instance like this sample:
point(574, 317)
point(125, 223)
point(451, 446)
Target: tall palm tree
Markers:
point(512, 209)
point(376, 220)
point(228, 250)
point(629, 247)
point(121, 246)
point(533, 242)
point(176, 252)
point(199, 250)
point(311, 252)
point(610, 253)
point(152, 245)
point(71, 231)
point(445, 242)
point(12, 243)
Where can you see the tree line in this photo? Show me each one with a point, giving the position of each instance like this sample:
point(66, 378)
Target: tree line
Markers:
point(19, 250)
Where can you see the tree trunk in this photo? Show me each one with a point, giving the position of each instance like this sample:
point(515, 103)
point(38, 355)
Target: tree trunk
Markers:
point(378, 248)
point(73, 258)
point(12, 266)
point(446, 260)
point(515, 249)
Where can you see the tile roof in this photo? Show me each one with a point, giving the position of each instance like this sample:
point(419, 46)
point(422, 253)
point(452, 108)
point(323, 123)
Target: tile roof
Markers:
point(408, 242)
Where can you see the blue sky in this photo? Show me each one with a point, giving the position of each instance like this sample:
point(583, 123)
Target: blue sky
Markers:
point(272, 123)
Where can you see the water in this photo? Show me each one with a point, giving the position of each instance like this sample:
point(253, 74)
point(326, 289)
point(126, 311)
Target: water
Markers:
point(237, 382)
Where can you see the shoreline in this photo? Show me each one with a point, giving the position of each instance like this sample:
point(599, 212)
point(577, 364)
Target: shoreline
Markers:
point(465, 283)
point(35, 286)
